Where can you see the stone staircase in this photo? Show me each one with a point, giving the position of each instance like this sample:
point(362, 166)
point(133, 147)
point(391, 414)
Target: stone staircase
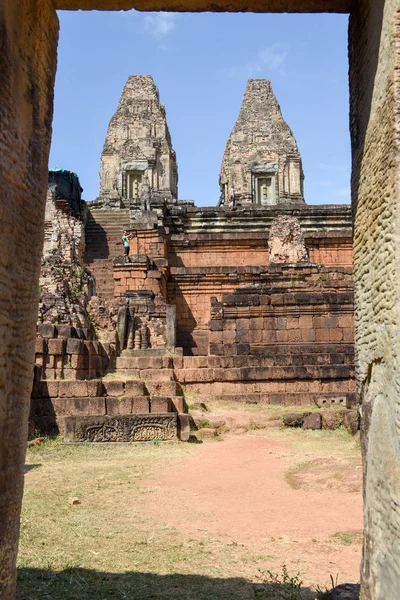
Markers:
point(103, 243)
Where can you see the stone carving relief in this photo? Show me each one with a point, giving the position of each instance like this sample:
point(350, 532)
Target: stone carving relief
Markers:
point(122, 428)
point(286, 242)
point(132, 331)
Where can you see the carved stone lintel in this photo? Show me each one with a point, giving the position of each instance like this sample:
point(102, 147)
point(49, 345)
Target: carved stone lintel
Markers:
point(121, 428)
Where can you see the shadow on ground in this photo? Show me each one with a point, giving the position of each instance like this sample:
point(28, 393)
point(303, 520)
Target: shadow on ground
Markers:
point(85, 584)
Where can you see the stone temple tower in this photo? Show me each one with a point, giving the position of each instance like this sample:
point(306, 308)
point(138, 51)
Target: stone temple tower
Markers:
point(138, 150)
point(261, 162)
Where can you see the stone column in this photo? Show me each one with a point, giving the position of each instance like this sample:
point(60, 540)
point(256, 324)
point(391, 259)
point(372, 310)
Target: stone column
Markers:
point(374, 45)
point(171, 326)
point(28, 39)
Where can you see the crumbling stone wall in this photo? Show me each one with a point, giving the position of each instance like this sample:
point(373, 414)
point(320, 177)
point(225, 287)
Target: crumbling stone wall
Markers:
point(28, 40)
point(375, 108)
point(65, 284)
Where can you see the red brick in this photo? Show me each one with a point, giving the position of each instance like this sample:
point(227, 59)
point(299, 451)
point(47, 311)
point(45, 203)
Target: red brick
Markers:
point(79, 406)
point(162, 388)
point(56, 346)
point(306, 322)
point(184, 427)
point(322, 335)
point(336, 335)
point(72, 389)
point(95, 387)
point(40, 345)
point(282, 336)
point(135, 388)
point(292, 323)
point(113, 388)
point(118, 406)
point(140, 405)
point(160, 404)
point(307, 335)
point(294, 335)
point(177, 404)
point(75, 346)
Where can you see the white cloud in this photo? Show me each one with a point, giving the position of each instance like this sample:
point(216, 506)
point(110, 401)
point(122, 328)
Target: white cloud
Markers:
point(271, 58)
point(160, 24)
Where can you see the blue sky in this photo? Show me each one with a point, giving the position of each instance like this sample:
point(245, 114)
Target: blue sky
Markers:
point(200, 63)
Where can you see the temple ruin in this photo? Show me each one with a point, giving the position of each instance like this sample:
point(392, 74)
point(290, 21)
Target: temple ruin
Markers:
point(261, 164)
point(26, 101)
point(137, 149)
point(250, 300)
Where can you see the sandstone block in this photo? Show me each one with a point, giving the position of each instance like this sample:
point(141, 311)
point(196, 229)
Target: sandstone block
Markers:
point(140, 405)
point(160, 404)
point(66, 331)
point(157, 374)
point(162, 388)
point(312, 421)
point(206, 432)
point(183, 427)
point(331, 419)
point(40, 345)
point(75, 346)
point(95, 387)
point(79, 406)
point(113, 388)
point(177, 404)
point(216, 325)
point(47, 389)
point(47, 330)
point(351, 420)
point(78, 361)
point(134, 388)
point(294, 419)
point(73, 389)
point(217, 349)
point(56, 346)
point(118, 406)
point(49, 361)
point(49, 373)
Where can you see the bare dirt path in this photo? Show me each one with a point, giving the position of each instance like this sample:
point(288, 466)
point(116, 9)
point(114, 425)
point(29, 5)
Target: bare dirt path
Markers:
point(204, 521)
point(285, 498)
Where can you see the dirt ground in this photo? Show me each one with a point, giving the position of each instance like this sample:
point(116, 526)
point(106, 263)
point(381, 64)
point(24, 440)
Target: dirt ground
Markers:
point(198, 520)
point(246, 491)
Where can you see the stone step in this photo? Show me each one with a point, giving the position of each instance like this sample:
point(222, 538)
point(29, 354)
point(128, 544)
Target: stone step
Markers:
point(321, 399)
point(144, 362)
point(270, 359)
point(277, 373)
point(163, 388)
point(133, 387)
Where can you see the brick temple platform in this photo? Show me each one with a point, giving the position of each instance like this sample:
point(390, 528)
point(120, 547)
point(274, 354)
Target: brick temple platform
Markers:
point(251, 300)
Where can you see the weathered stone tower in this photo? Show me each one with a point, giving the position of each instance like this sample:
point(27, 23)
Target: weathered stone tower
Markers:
point(261, 163)
point(138, 148)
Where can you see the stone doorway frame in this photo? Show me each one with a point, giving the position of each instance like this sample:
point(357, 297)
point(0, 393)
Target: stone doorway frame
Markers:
point(28, 37)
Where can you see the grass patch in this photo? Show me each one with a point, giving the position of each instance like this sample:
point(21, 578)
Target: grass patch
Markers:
point(111, 546)
point(347, 538)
